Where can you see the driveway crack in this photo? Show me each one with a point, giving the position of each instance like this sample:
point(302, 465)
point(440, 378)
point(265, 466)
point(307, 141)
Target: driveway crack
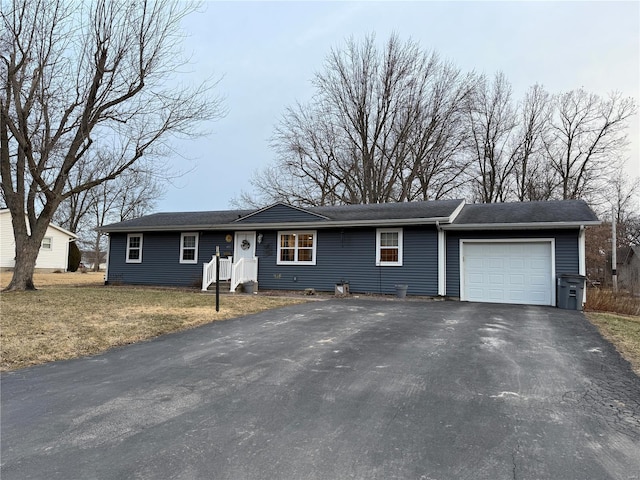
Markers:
point(514, 453)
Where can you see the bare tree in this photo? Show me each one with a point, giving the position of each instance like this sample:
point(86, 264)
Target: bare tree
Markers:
point(623, 199)
point(586, 137)
point(532, 176)
point(384, 125)
point(81, 82)
point(491, 123)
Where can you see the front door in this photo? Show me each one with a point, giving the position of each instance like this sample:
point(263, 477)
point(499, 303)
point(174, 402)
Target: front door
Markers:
point(245, 246)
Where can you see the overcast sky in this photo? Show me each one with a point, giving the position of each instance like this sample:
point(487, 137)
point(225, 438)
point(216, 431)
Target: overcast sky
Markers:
point(268, 52)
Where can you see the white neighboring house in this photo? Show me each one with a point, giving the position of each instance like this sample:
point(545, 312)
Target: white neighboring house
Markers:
point(54, 251)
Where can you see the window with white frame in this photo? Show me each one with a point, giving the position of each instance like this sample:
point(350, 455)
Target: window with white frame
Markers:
point(47, 243)
point(189, 248)
point(389, 247)
point(297, 248)
point(134, 248)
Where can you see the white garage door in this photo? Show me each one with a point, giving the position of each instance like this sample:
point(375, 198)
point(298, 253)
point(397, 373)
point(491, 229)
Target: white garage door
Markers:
point(507, 272)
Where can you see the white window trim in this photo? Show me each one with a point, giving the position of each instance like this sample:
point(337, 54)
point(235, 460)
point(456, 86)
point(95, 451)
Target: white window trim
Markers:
point(298, 232)
point(134, 260)
point(49, 247)
point(380, 263)
point(189, 234)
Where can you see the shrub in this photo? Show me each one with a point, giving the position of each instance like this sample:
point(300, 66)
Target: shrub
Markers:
point(74, 257)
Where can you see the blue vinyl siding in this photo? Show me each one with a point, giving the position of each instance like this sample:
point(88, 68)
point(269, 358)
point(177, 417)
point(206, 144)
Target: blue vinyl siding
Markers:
point(341, 255)
point(161, 259)
point(566, 251)
point(280, 214)
point(350, 255)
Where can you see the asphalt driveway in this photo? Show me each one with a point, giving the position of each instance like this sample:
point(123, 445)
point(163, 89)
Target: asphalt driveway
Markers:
point(334, 390)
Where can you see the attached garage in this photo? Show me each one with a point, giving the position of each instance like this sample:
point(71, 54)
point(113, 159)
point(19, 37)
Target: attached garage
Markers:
point(507, 271)
point(514, 252)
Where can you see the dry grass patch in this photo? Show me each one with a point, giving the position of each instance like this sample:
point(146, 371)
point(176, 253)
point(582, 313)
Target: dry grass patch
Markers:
point(604, 300)
point(623, 331)
point(58, 322)
point(58, 279)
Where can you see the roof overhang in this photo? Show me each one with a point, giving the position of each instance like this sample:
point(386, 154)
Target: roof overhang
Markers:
point(282, 226)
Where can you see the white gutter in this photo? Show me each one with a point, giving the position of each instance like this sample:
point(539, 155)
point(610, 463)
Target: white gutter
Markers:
point(519, 226)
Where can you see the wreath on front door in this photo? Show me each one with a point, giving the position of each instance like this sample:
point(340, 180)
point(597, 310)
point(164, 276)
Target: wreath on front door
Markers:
point(245, 245)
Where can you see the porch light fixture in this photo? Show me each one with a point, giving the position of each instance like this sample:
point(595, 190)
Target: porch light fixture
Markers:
point(260, 236)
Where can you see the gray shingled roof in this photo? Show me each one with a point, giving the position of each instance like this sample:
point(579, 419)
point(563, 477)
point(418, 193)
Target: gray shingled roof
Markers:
point(389, 211)
point(567, 211)
point(341, 213)
point(180, 219)
point(559, 211)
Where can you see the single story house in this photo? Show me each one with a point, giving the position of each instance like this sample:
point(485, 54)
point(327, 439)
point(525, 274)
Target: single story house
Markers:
point(54, 250)
point(501, 252)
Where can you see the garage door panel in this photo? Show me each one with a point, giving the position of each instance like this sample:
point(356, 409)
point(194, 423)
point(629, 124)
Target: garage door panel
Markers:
point(538, 281)
point(516, 296)
point(508, 272)
point(539, 263)
point(475, 292)
point(495, 295)
point(516, 263)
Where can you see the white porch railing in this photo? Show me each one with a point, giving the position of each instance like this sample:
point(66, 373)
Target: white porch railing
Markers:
point(244, 270)
point(209, 271)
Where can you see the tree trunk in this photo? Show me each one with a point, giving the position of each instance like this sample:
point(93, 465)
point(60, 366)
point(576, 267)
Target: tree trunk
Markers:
point(96, 253)
point(27, 249)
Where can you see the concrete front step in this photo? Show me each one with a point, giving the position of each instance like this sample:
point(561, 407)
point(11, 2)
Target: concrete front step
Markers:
point(225, 287)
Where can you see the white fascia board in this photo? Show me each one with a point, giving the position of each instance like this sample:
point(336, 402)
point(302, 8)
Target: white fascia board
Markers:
point(456, 212)
point(66, 232)
point(519, 226)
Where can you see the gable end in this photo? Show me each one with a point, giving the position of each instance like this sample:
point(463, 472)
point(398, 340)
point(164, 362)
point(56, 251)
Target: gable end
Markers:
point(281, 213)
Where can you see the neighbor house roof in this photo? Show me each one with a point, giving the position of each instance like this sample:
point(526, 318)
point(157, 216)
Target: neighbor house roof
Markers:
point(55, 227)
point(626, 254)
point(452, 214)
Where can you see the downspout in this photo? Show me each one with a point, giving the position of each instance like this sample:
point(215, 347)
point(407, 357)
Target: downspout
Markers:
point(106, 268)
point(442, 258)
point(582, 266)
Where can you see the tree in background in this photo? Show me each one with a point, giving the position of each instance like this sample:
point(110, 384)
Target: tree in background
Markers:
point(532, 178)
point(491, 125)
point(587, 135)
point(620, 203)
point(84, 85)
point(398, 123)
point(384, 126)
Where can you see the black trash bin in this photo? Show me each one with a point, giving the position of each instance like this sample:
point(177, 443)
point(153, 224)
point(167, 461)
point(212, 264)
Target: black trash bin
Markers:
point(570, 291)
